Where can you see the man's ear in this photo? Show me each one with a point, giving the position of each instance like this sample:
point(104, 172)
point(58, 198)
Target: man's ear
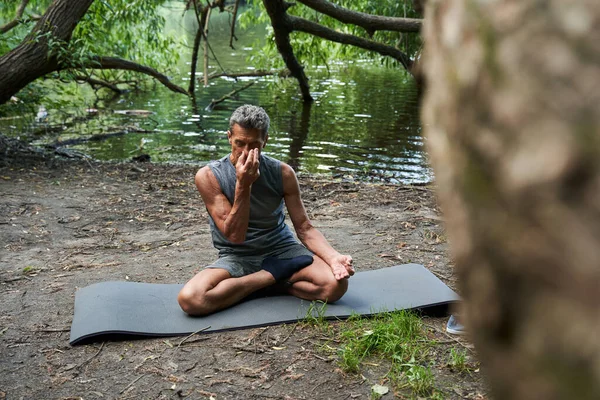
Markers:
point(266, 140)
point(229, 136)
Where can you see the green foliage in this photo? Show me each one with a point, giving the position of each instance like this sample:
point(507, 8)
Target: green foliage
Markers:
point(8, 11)
point(458, 361)
point(315, 314)
point(128, 29)
point(397, 337)
point(312, 51)
point(419, 379)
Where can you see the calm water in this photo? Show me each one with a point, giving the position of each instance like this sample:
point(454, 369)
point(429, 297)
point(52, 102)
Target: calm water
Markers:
point(364, 121)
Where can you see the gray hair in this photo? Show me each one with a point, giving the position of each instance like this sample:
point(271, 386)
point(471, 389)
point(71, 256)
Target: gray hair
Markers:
point(250, 117)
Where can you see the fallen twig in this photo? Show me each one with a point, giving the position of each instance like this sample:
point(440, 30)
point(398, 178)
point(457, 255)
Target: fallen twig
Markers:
point(450, 336)
point(88, 360)
point(53, 330)
point(189, 336)
point(18, 278)
point(132, 383)
point(108, 264)
point(255, 351)
point(289, 334)
point(322, 358)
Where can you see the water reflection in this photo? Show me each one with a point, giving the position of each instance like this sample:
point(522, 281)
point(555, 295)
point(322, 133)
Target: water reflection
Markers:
point(298, 132)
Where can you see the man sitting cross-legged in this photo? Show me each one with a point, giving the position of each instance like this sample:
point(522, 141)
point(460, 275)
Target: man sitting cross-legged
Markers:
point(244, 193)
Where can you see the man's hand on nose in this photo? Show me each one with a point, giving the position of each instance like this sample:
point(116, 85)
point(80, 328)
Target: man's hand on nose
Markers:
point(247, 167)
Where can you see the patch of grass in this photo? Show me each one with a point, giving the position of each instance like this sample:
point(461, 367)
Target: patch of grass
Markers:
point(349, 360)
point(458, 361)
point(30, 270)
point(419, 379)
point(315, 315)
point(395, 336)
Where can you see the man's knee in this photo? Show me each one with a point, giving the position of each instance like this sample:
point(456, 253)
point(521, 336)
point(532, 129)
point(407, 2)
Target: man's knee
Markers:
point(192, 302)
point(333, 290)
point(193, 296)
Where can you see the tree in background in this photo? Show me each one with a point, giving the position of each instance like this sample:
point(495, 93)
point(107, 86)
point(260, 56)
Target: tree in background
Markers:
point(108, 44)
point(512, 114)
point(317, 31)
point(83, 40)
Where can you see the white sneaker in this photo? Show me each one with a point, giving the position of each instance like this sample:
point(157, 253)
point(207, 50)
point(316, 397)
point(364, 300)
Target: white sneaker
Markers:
point(454, 327)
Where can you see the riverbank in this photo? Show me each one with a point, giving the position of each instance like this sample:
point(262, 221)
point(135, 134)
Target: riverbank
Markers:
point(67, 224)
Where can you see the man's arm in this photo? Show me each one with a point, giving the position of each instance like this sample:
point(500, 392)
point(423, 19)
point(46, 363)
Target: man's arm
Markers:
point(231, 219)
point(341, 265)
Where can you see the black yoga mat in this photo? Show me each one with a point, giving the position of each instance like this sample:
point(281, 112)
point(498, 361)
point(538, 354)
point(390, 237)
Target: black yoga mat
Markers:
point(113, 309)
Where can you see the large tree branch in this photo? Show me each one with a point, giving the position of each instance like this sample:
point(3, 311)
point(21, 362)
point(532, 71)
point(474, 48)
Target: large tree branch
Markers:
point(369, 22)
point(282, 27)
point(11, 24)
point(118, 63)
point(303, 25)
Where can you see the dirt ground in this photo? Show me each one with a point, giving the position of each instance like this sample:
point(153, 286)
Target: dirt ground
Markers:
point(68, 224)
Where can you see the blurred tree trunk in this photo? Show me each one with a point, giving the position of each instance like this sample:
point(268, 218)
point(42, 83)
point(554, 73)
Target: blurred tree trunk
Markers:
point(512, 113)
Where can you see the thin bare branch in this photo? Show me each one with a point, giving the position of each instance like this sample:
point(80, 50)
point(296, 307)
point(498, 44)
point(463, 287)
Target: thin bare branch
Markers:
point(284, 73)
point(97, 82)
point(11, 24)
point(118, 63)
point(201, 18)
point(233, 18)
point(205, 33)
point(227, 96)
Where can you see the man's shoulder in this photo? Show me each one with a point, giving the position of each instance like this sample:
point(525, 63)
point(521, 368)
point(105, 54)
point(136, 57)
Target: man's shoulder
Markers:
point(204, 174)
point(218, 162)
point(270, 160)
point(273, 161)
point(212, 168)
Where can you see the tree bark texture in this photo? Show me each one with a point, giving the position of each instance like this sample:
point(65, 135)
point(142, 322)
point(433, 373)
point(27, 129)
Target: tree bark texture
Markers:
point(31, 59)
point(512, 116)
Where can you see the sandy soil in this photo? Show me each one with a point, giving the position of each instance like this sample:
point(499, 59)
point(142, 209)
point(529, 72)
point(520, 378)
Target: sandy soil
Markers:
point(67, 224)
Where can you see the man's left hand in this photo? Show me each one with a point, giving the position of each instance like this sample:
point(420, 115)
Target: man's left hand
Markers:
point(342, 268)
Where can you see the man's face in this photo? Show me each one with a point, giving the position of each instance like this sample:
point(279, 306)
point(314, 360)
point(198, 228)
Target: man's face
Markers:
point(243, 140)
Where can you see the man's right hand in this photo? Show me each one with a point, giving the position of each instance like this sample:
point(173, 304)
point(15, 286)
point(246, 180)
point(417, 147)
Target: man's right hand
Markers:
point(342, 267)
point(247, 168)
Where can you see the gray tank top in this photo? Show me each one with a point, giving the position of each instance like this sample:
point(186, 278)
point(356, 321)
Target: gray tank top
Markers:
point(266, 227)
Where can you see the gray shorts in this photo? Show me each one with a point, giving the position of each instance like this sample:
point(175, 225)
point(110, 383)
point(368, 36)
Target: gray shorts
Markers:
point(244, 265)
